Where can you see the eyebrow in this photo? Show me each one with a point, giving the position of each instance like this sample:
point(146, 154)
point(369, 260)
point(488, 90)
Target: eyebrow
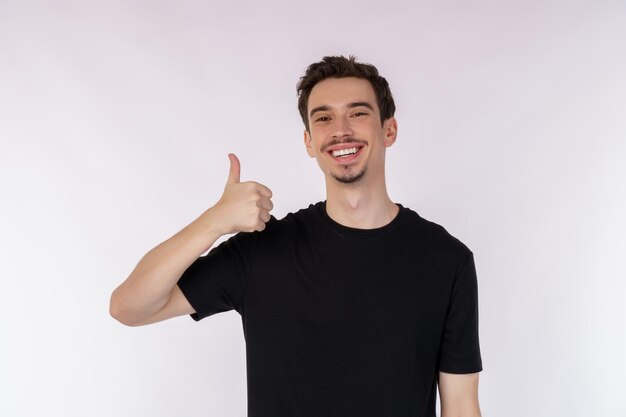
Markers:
point(349, 105)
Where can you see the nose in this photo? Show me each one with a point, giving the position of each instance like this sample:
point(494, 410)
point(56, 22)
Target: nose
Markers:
point(342, 127)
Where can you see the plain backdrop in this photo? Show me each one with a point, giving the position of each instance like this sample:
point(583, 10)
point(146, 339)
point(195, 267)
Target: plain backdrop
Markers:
point(116, 118)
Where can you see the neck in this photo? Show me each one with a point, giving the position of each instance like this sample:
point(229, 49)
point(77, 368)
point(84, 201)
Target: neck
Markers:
point(359, 205)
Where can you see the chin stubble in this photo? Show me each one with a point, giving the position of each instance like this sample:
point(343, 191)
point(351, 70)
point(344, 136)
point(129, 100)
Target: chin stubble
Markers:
point(349, 179)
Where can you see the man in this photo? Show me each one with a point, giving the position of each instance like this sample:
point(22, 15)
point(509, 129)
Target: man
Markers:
point(354, 306)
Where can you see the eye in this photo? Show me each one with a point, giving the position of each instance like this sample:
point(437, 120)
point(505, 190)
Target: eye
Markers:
point(322, 119)
point(360, 113)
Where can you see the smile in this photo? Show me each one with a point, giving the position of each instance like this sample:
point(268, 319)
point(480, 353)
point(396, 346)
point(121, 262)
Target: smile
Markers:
point(344, 152)
point(346, 155)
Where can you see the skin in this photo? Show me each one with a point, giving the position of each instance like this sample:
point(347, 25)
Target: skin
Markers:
point(356, 197)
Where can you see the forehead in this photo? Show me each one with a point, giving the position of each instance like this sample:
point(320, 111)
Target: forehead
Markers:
point(338, 92)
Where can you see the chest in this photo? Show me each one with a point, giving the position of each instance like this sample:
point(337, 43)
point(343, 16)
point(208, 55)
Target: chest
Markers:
point(371, 293)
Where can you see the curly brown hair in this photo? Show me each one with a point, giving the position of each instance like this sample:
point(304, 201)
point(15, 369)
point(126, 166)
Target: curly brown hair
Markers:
point(341, 67)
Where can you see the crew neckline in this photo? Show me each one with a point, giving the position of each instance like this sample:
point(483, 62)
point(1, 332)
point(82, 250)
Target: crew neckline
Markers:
point(356, 232)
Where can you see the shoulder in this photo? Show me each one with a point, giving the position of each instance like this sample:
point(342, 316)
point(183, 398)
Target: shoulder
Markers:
point(291, 224)
point(295, 217)
point(435, 236)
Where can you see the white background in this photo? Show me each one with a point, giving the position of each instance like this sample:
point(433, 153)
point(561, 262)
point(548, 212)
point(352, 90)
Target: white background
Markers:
point(116, 119)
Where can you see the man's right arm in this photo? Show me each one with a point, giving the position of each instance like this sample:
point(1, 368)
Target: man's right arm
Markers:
point(150, 293)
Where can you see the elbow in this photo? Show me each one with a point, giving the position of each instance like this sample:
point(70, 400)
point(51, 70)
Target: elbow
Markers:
point(120, 312)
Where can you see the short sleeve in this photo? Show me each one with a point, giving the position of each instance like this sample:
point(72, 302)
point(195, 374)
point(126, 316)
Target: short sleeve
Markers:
point(216, 282)
point(460, 349)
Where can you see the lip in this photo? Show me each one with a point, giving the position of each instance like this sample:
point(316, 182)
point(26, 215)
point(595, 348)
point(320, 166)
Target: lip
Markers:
point(346, 145)
point(344, 160)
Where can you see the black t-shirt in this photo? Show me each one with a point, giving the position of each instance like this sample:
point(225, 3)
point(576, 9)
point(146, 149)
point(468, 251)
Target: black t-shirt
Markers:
point(341, 321)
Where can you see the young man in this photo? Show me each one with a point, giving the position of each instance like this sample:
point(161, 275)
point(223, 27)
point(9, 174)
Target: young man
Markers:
point(354, 306)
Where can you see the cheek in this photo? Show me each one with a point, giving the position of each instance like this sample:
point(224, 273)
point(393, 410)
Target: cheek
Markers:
point(312, 148)
point(316, 140)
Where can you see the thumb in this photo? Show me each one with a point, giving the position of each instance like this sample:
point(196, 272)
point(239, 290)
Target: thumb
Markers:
point(235, 169)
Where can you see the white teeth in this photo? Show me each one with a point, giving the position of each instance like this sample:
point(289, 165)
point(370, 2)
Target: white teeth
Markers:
point(342, 152)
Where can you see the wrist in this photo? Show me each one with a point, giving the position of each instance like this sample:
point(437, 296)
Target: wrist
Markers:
point(211, 223)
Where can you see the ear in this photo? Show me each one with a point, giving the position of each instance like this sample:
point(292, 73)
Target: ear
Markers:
point(390, 127)
point(309, 144)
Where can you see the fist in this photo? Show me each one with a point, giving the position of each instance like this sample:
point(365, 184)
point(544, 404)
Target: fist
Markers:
point(244, 206)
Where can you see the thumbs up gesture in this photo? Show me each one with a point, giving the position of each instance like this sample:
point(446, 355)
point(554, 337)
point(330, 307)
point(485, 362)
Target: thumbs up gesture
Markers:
point(244, 206)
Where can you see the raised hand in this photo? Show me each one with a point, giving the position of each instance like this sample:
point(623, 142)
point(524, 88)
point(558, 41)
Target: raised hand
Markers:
point(244, 206)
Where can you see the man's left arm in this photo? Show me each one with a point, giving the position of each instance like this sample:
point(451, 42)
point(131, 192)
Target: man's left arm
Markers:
point(459, 395)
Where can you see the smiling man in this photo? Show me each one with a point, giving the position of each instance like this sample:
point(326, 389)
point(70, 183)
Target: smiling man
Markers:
point(354, 306)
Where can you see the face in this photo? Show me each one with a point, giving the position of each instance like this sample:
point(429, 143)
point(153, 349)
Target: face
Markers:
point(346, 136)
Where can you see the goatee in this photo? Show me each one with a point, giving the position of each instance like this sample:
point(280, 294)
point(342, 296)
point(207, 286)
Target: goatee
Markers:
point(349, 178)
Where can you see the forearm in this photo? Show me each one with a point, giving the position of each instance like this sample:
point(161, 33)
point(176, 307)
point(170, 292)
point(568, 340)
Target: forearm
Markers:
point(459, 395)
point(473, 412)
point(149, 294)
point(147, 289)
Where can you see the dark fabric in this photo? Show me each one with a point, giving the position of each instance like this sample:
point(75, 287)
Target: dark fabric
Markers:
point(341, 321)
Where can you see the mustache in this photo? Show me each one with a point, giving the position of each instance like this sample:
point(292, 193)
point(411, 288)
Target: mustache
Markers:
point(345, 140)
